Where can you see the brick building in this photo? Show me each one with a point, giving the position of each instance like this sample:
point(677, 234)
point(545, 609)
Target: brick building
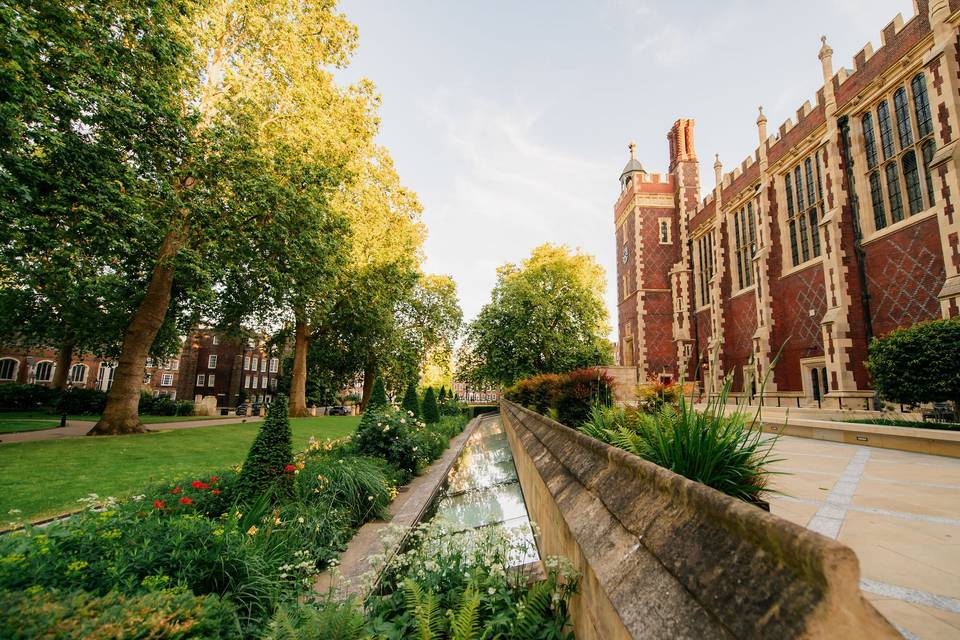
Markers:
point(838, 228)
point(208, 365)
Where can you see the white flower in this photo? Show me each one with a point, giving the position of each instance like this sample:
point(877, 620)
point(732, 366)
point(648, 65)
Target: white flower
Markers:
point(300, 520)
point(403, 421)
point(491, 591)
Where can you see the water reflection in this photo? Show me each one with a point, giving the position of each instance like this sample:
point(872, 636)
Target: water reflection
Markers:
point(482, 489)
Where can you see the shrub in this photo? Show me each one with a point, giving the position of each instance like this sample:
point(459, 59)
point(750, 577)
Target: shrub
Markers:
point(386, 434)
point(170, 614)
point(80, 401)
point(326, 620)
point(378, 395)
point(726, 452)
point(411, 403)
point(919, 363)
point(185, 408)
point(164, 406)
point(269, 463)
point(653, 394)
point(22, 397)
point(449, 406)
point(570, 395)
point(443, 393)
point(211, 495)
point(431, 413)
point(145, 405)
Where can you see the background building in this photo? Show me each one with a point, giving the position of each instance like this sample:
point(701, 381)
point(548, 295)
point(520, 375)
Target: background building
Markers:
point(839, 227)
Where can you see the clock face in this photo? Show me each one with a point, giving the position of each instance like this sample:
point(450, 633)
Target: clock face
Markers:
point(626, 255)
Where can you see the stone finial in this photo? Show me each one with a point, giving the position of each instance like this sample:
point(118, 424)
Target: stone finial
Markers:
point(718, 170)
point(762, 126)
point(633, 150)
point(825, 50)
point(717, 165)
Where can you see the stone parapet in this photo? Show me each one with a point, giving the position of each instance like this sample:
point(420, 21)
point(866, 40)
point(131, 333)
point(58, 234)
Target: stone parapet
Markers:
point(665, 557)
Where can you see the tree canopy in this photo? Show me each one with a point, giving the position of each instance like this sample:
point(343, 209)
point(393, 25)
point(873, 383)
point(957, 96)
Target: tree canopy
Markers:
point(546, 315)
point(918, 364)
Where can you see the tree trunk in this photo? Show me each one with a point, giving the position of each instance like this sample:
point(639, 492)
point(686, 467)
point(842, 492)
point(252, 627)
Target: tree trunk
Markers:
point(64, 358)
point(120, 415)
point(298, 377)
point(368, 376)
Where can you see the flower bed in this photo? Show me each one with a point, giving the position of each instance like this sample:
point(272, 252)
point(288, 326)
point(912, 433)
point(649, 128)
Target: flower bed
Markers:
point(199, 550)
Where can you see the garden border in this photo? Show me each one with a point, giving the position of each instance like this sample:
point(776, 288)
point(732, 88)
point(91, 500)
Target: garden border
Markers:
point(407, 509)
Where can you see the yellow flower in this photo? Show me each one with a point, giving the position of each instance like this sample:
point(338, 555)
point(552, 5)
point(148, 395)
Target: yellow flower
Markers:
point(252, 531)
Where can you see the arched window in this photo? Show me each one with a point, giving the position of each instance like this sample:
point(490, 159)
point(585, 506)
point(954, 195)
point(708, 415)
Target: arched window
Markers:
point(78, 373)
point(921, 104)
point(902, 110)
point(886, 130)
point(8, 369)
point(869, 140)
point(893, 192)
point(44, 371)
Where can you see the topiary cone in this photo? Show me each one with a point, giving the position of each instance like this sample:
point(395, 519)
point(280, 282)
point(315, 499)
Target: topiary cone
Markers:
point(271, 455)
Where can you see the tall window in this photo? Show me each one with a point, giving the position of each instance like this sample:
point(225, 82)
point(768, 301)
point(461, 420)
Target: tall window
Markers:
point(78, 373)
point(904, 158)
point(210, 380)
point(44, 371)
point(166, 380)
point(8, 369)
point(211, 362)
point(216, 340)
point(274, 365)
point(201, 379)
point(804, 193)
point(254, 363)
point(246, 362)
point(664, 230)
point(745, 239)
point(263, 365)
point(704, 264)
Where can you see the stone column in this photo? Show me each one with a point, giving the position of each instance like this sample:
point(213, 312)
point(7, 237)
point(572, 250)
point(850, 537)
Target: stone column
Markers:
point(719, 266)
point(765, 231)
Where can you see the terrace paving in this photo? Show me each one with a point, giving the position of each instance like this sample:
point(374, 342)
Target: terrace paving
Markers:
point(899, 511)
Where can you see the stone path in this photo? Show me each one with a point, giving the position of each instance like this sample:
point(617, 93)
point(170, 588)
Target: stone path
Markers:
point(899, 511)
point(78, 428)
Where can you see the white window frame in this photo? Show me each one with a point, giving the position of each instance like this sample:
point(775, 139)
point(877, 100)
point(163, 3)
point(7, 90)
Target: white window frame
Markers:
point(83, 378)
point(215, 339)
point(254, 380)
point(254, 363)
point(166, 380)
point(201, 379)
point(274, 365)
point(663, 224)
point(246, 363)
point(36, 370)
point(246, 382)
point(263, 382)
point(14, 370)
point(263, 364)
point(212, 361)
point(210, 379)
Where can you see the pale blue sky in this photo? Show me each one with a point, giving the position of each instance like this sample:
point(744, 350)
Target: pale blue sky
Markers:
point(511, 119)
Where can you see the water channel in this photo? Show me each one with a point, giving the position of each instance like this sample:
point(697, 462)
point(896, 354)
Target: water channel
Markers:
point(482, 489)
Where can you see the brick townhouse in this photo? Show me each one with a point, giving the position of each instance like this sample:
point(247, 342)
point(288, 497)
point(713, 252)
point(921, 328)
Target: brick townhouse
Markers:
point(837, 228)
point(209, 364)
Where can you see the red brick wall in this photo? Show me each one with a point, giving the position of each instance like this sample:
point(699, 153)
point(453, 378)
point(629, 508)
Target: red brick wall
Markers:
point(740, 323)
point(905, 273)
point(794, 326)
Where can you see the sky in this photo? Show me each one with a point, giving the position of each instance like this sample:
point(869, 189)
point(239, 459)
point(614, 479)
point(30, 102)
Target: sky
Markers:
point(511, 120)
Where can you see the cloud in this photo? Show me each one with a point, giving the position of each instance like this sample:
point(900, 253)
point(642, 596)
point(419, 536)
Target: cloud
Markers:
point(511, 190)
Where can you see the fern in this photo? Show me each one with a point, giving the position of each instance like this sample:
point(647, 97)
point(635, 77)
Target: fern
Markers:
point(464, 624)
point(329, 620)
point(536, 610)
point(425, 609)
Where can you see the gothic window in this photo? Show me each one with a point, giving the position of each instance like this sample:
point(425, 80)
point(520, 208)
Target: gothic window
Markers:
point(704, 268)
point(8, 368)
point(78, 373)
point(803, 213)
point(899, 176)
point(44, 371)
point(745, 240)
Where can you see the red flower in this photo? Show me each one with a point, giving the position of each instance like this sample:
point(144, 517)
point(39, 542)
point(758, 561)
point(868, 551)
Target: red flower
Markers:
point(215, 491)
point(186, 500)
point(199, 484)
point(290, 468)
point(159, 504)
point(176, 491)
point(214, 478)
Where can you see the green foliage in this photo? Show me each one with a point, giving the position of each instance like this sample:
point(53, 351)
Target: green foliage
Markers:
point(546, 315)
point(461, 585)
point(653, 394)
point(431, 412)
point(386, 434)
point(570, 397)
point(324, 620)
point(356, 486)
point(80, 401)
point(171, 614)
point(185, 408)
point(411, 402)
point(726, 452)
point(378, 396)
point(19, 397)
point(443, 393)
point(267, 467)
point(919, 363)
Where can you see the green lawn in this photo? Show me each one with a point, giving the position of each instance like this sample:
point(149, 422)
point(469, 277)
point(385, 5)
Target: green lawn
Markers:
point(14, 421)
point(45, 478)
point(16, 425)
point(913, 424)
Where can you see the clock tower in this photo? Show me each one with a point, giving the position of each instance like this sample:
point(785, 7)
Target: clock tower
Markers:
point(649, 243)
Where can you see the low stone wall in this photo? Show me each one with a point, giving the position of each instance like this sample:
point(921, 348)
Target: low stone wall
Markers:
point(664, 557)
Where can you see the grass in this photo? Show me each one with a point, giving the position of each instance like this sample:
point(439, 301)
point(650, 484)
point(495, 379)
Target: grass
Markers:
point(17, 425)
point(913, 424)
point(47, 477)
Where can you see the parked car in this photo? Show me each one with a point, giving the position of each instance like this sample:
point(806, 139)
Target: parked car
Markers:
point(338, 411)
